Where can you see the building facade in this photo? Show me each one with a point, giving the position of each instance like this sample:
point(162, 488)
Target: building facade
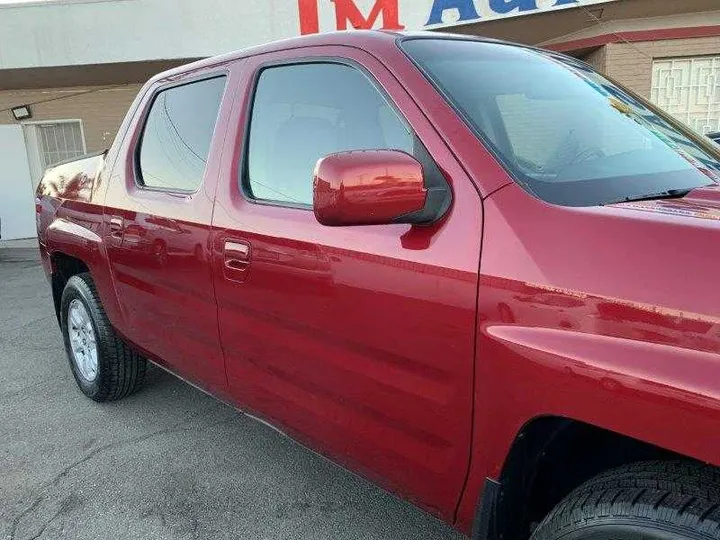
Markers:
point(74, 66)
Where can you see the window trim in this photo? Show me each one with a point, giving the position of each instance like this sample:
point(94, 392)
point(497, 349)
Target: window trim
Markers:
point(243, 180)
point(142, 124)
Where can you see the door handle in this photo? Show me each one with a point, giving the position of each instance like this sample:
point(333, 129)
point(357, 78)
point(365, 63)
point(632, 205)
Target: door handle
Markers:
point(116, 228)
point(236, 256)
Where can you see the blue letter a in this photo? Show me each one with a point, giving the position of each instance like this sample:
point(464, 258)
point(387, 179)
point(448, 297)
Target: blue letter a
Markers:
point(506, 6)
point(466, 8)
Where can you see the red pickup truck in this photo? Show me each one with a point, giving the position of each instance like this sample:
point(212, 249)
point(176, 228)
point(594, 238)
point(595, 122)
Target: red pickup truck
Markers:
point(480, 274)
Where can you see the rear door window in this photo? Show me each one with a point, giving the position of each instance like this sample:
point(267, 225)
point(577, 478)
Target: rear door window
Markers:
point(176, 138)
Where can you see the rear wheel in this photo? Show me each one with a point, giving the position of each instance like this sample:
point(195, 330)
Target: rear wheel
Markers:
point(104, 366)
point(642, 501)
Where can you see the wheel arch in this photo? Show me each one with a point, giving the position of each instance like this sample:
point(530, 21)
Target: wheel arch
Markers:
point(74, 246)
point(550, 457)
point(63, 267)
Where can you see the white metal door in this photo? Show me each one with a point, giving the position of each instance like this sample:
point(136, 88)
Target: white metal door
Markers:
point(17, 201)
point(689, 89)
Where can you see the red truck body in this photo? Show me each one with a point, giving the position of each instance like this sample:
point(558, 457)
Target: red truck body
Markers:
point(421, 357)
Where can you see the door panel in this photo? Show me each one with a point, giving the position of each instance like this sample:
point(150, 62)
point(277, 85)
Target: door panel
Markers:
point(162, 276)
point(357, 340)
point(159, 238)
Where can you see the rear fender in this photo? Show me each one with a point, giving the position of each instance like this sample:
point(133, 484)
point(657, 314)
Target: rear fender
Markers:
point(69, 209)
point(65, 238)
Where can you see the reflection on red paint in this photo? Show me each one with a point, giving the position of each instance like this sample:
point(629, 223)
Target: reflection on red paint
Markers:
point(368, 187)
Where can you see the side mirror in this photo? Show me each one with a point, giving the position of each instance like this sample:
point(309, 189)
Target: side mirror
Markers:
point(370, 187)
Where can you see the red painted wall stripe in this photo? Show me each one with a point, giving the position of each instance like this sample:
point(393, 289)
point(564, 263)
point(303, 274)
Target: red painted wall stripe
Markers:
point(636, 35)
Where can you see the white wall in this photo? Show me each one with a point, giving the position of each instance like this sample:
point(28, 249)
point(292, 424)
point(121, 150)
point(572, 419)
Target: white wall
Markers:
point(78, 32)
point(17, 206)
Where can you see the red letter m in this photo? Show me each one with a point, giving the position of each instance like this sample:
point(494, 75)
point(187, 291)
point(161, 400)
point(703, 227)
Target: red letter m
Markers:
point(347, 12)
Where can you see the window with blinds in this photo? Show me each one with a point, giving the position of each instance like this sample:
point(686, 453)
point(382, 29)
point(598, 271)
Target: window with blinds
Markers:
point(59, 141)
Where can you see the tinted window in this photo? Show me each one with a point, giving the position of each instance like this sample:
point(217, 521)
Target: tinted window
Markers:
point(566, 133)
point(305, 112)
point(177, 135)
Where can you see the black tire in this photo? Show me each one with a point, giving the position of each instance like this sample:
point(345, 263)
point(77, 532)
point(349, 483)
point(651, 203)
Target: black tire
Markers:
point(120, 369)
point(642, 501)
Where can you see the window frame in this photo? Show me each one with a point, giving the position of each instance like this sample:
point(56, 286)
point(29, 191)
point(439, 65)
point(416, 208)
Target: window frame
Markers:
point(243, 180)
point(142, 124)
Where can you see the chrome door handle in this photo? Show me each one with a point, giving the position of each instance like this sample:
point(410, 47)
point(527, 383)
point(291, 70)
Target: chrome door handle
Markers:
point(237, 254)
point(116, 227)
point(236, 259)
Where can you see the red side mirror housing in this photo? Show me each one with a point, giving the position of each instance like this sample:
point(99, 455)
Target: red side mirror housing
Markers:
point(370, 187)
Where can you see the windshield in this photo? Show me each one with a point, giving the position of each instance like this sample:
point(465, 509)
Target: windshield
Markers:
point(567, 134)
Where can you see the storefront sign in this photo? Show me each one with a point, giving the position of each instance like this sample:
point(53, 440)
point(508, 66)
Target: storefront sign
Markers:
point(325, 15)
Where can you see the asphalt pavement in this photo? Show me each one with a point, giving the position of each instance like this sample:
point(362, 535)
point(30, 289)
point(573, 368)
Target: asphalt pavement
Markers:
point(166, 463)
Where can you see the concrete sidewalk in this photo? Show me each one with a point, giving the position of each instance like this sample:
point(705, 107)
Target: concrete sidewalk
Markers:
point(19, 243)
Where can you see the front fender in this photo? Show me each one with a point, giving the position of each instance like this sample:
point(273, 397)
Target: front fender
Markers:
point(658, 393)
point(658, 383)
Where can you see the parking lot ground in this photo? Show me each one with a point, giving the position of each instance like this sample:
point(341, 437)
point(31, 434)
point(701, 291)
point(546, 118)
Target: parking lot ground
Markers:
point(166, 463)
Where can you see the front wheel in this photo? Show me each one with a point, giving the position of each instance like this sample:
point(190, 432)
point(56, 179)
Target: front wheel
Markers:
point(643, 501)
point(104, 366)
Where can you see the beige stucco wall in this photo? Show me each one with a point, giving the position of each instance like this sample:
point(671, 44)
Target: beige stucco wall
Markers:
point(631, 64)
point(100, 109)
point(597, 59)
